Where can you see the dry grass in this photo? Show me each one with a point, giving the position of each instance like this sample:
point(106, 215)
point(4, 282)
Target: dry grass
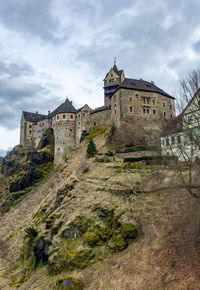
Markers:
point(166, 254)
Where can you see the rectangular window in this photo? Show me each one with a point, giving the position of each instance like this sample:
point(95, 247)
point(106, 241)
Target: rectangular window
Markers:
point(147, 101)
point(164, 114)
point(178, 139)
point(190, 120)
point(154, 112)
point(57, 117)
point(136, 95)
point(153, 102)
point(144, 101)
point(164, 105)
point(131, 109)
point(163, 141)
point(71, 116)
point(147, 111)
point(167, 142)
point(170, 107)
point(173, 140)
point(94, 123)
point(64, 116)
point(144, 111)
point(130, 99)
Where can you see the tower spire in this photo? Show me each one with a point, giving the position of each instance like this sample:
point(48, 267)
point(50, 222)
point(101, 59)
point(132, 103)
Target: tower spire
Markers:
point(115, 59)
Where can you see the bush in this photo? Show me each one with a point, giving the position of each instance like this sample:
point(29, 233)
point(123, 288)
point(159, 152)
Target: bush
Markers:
point(109, 153)
point(91, 149)
point(145, 158)
point(95, 133)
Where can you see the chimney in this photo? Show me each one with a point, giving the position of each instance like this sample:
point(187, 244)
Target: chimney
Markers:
point(49, 112)
point(36, 112)
point(152, 82)
point(71, 102)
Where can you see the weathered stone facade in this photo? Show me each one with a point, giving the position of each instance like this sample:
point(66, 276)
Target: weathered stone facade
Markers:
point(134, 105)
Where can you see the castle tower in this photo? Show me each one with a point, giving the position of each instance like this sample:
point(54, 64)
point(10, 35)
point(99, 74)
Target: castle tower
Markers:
point(64, 130)
point(111, 82)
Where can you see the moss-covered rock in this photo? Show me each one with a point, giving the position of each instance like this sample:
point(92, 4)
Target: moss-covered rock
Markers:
point(77, 227)
point(68, 283)
point(117, 243)
point(129, 231)
point(90, 238)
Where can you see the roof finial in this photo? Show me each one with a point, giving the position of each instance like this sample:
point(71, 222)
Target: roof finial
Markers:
point(115, 59)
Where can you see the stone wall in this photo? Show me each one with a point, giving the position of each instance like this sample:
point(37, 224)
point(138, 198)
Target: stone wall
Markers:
point(82, 122)
point(65, 135)
point(146, 108)
point(102, 118)
point(26, 134)
point(38, 130)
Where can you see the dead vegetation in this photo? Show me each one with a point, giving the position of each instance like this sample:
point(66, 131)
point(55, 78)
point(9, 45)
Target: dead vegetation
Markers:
point(164, 256)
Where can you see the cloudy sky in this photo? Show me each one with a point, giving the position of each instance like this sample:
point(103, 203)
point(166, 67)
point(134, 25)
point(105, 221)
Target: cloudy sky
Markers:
point(51, 49)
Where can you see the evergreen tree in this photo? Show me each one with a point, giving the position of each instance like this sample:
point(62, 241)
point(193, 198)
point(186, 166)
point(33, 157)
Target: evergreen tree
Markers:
point(91, 149)
point(112, 132)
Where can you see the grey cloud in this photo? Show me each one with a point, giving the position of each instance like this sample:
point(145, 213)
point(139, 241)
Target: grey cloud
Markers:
point(30, 17)
point(19, 92)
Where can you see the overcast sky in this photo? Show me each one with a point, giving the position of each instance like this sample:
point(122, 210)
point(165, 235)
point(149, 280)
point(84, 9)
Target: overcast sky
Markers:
point(51, 49)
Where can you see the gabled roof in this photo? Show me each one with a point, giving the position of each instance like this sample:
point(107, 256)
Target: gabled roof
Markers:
point(141, 85)
point(65, 107)
point(115, 69)
point(33, 117)
point(80, 109)
point(103, 108)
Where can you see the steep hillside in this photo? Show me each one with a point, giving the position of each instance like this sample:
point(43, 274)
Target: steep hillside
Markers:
point(101, 224)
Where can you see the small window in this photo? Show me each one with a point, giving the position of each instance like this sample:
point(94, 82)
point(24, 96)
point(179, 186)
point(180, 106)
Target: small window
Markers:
point(164, 114)
point(153, 102)
point(71, 116)
point(137, 96)
point(190, 120)
point(178, 139)
point(115, 107)
point(94, 123)
point(147, 101)
point(29, 126)
point(111, 75)
point(164, 105)
point(170, 107)
point(154, 112)
point(171, 116)
point(131, 109)
point(144, 101)
point(114, 98)
point(130, 99)
point(144, 111)
point(83, 114)
point(70, 130)
point(57, 117)
point(163, 141)
point(30, 131)
point(167, 142)
point(173, 140)
point(64, 116)
point(147, 111)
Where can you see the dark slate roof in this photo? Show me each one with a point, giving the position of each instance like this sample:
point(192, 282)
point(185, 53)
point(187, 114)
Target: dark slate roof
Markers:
point(33, 117)
point(118, 72)
point(103, 108)
point(65, 107)
point(142, 85)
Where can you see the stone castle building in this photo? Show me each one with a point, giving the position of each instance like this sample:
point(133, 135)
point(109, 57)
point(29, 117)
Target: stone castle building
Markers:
point(128, 103)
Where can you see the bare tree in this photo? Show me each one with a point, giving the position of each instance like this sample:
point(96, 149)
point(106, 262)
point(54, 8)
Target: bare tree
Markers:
point(181, 137)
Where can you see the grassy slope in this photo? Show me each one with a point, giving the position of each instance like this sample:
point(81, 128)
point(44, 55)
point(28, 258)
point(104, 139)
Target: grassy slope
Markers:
point(166, 254)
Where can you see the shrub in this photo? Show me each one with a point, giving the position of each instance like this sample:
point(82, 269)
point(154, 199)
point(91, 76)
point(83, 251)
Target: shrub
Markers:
point(109, 153)
point(95, 133)
point(91, 149)
point(31, 233)
point(141, 158)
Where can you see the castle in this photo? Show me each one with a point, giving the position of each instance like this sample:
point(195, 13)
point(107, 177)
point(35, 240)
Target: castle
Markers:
point(128, 103)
